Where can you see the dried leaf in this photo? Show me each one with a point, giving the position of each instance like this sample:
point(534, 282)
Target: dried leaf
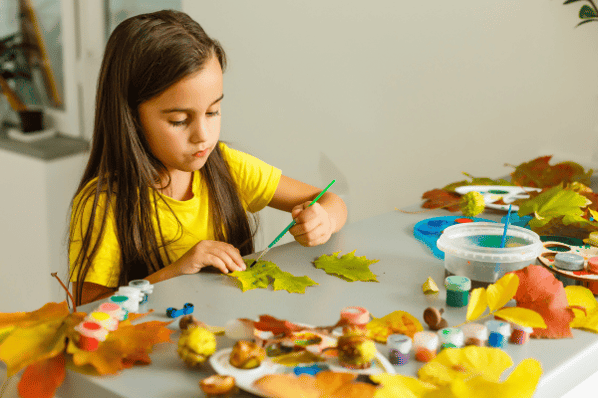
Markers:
point(522, 317)
point(325, 384)
point(397, 322)
point(395, 386)
point(454, 363)
point(440, 198)
point(123, 347)
point(268, 323)
point(502, 291)
point(579, 296)
point(541, 292)
point(478, 303)
point(538, 173)
point(41, 379)
point(297, 357)
point(264, 272)
point(347, 267)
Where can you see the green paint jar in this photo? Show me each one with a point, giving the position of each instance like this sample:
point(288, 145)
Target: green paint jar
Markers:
point(457, 290)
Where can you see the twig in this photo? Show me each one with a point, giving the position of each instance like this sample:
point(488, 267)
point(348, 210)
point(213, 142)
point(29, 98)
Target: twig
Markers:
point(55, 275)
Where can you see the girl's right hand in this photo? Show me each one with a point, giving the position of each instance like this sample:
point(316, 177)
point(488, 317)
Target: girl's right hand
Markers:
point(221, 255)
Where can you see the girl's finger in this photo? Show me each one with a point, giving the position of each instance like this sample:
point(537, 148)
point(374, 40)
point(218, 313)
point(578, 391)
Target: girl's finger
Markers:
point(215, 261)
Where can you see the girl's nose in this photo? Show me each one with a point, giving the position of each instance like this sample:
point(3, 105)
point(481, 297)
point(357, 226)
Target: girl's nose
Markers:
point(199, 132)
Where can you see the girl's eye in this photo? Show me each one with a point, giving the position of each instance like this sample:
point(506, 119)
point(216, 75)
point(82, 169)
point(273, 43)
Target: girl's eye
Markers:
point(177, 123)
point(215, 113)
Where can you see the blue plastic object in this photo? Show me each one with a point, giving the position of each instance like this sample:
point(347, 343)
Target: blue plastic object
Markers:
point(173, 312)
point(310, 370)
point(429, 230)
point(518, 221)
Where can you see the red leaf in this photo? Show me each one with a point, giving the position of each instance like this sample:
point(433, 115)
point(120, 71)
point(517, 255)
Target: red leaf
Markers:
point(540, 291)
point(439, 198)
point(539, 174)
point(41, 379)
point(268, 323)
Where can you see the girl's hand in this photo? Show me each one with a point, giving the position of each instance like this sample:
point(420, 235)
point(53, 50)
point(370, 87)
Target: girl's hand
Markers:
point(313, 224)
point(221, 255)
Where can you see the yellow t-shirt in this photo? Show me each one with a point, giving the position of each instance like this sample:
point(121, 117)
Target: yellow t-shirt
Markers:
point(256, 182)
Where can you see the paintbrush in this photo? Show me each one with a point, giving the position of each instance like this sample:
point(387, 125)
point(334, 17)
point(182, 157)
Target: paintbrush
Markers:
point(503, 241)
point(284, 231)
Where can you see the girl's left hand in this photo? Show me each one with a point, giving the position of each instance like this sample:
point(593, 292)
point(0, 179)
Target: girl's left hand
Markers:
point(313, 225)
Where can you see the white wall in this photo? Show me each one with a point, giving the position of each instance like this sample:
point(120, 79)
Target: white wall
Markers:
point(394, 98)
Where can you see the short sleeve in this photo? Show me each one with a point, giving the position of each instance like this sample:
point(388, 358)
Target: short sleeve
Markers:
point(105, 268)
point(256, 179)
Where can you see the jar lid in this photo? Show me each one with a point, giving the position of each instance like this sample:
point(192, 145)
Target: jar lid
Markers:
point(593, 265)
point(400, 342)
point(569, 261)
point(453, 336)
point(475, 330)
point(459, 283)
point(426, 340)
point(503, 328)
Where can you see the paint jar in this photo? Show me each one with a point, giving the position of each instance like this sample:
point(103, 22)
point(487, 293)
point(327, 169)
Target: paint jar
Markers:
point(90, 335)
point(124, 302)
point(399, 348)
point(520, 334)
point(457, 290)
point(451, 338)
point(133, 294)
point(145, 286)
point(109, 323)
point(355, 317)
point(568, 262)
point(475, 334)
point(425, 345)
point(499, 333)
point(112, 309)
point(592, 268)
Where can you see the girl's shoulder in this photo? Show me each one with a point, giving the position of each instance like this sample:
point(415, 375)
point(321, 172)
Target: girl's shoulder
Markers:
point(85, 198)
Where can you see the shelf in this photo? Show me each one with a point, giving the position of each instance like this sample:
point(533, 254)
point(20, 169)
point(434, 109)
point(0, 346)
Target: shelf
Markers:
point(52, 148)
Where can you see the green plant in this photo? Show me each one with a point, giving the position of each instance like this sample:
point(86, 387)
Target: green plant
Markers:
point(587, 13)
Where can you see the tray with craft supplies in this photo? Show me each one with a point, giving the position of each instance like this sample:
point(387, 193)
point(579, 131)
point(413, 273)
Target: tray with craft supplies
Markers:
point(499, 197)
point(575, 262)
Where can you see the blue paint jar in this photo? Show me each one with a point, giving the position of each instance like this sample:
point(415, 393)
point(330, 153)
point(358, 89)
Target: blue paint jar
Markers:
point(457, 290)
point(499, 333)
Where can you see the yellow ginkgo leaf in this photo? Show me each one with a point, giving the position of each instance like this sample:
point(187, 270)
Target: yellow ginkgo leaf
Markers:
point(478, 303)
point(522, 317)
point(579, 296)
point(463, 363)
point(521, 383)
point(499, 293)
point(392, 386)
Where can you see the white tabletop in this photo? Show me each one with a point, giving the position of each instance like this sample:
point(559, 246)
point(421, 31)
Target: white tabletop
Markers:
point(404, 265)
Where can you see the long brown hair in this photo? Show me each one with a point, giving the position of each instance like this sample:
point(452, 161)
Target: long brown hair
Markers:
point(144, 56)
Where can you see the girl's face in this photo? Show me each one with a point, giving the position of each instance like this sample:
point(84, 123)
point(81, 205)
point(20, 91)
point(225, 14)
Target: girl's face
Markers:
point(182, 124)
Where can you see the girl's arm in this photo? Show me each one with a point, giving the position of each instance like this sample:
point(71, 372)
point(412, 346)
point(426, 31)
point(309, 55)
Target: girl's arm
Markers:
point(92, 292)
point(315, 224)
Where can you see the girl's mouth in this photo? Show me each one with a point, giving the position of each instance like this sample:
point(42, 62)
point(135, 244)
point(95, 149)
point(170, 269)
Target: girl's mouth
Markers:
point(201, 154)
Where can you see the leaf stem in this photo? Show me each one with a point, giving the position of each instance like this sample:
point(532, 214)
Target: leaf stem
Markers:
point(55, 275)
point(485, 316)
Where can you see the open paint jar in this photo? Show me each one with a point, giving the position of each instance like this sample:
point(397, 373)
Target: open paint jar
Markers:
point(473, 250)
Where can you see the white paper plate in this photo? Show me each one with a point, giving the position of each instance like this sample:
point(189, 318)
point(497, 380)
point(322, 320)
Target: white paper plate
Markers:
point(244, 378)
point(493, 193)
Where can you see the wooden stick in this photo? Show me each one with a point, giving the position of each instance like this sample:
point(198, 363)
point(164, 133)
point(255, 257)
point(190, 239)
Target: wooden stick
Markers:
point(13, 99)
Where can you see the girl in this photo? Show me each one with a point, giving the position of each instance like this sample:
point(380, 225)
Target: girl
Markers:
point(161, 196)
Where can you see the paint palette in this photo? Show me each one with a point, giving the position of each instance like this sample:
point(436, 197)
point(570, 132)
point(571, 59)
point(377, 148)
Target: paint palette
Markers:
point(552, 248)
point(429, 230)
point(494, 193)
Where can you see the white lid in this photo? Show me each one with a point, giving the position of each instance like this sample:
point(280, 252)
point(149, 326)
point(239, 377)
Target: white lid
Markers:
point(454, 241)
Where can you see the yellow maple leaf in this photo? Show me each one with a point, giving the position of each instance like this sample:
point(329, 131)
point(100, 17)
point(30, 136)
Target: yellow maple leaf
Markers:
point(503, 290)
point(477, 304)
point(522, 317)
point(400, 322)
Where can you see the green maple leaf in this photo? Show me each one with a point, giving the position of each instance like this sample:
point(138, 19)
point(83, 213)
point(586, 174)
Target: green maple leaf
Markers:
point(264, 272)
point(554, 203)
point(348, 267)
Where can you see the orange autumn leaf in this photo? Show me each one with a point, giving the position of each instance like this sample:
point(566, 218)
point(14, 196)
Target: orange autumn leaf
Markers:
point(123, 347)
point(325, 384)
point(538, 173)
point(41, 379)
point(268, 323)
point(541, 292)
point(436, 198)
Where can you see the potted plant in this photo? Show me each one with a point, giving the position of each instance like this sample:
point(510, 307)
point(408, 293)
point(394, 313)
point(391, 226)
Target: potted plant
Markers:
point(587, 13)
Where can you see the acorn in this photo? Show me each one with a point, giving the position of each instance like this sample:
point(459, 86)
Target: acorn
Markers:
point(196, 344)
point(218, 385)
point(246, 355)
point(433, 318)
point(355, 351)
point(189, 320)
